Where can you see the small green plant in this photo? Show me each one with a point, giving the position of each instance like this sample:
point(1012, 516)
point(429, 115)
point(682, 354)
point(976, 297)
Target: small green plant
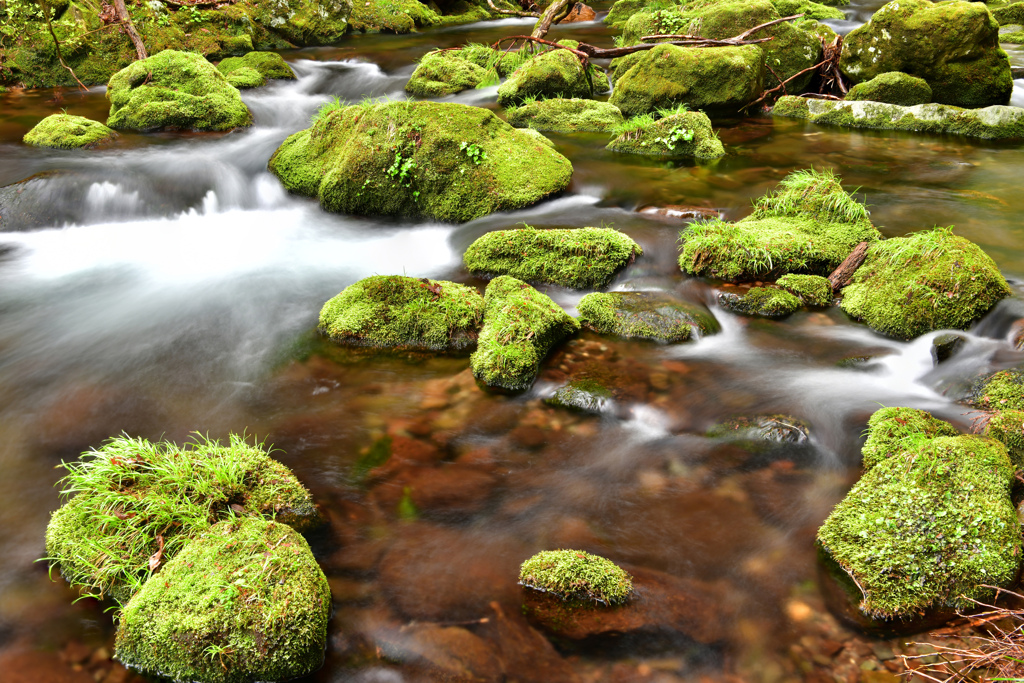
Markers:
point(675, 110)
point(401, 169)
point(163, 20)
point(474, 152)
point(193, 17)
point(675, 136)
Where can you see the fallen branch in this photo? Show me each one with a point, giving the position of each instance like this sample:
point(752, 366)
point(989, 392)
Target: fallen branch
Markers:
point(129, 28)
point(830, 74)
point(555, 12)
point(504, 11)
point(842, 275)
point(819, 96)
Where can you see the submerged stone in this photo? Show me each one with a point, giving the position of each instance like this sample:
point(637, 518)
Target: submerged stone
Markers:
point(554, 73)
point(64, 131)
point(390, 311)
point(176, 90)
point(566, 115)
point(444, 72)
point(945, 346)
point(954, 46)
point(892, 87)
point(446, 161)
point(688, 134)
point(584, 395)
point(813, 290)
point(582, 258)
point(268, 64)
point(776, 428)
point(520, 326)
point(244, 601)
point(645, 315)
point(929, 280)
point(764, 302)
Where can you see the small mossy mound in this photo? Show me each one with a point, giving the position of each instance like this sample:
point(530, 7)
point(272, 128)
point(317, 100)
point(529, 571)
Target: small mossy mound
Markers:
point(645, 315)
point(246, 77)
point(1003, 390)
point(764, 302)
point(566, 115)
point(582, 258)
point(64, 131)
point(929, 280)
point(133, 500)
point(687, 134)
point(954, 46)
point(444, 72)
point(893, 431)
point(893, 87)
point(268, 64)
point(814, 290)
point(577, 576)
point(245, 601)
point(397, 311)
point(808, 225)
point(928, 528)
point(520, 326)
point(717, 80)
point(1007, 427)
point(810, 10)
point(553, 73)
point(585, 396)
point(391, 16)
point(176, 90)
point(446, 161)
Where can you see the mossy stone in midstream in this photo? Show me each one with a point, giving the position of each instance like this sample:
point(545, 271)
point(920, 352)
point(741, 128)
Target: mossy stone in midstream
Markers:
point(892, 431)
point(553, 73)
point(444, 72)
point(893, 87)
point(575, 575)
point(1009, 14)
point(584, 395)
point(774, 429)
point(520, 326)
point(390, 311)
point(645, 315)
point(244, 601)
point(440, 160)
point(583, 258)
point(808, 225)
point(64, 131)
point(1003, 390)
point(269, 65)
point(813, 290)
point(686, 134)
point(954, 46)
point(565, 115)
point(177, 90)
point(763, 302)
point(132, 500)
point(929, 280)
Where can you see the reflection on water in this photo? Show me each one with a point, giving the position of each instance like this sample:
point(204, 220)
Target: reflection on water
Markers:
point(169, 285)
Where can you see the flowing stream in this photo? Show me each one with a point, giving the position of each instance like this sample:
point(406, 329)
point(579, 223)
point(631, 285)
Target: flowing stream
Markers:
point(169, 285)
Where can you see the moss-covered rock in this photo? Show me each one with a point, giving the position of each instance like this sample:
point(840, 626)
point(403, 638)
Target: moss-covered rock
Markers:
point(398, 311)
point(445, 161)
point(929, 280)
point(1010, 14)
point(520, 326)
point(553, 73)
point(391, 16)
point(566, 115)
point(177, 90)
point(268, 64)
point(718, 80)
point(813, 290)
point(245, 601)
point(809, 225)
point(246, 77)
point(928, 527)
point(134, 500)
point(64, 131)
point(645, 315)
point(954, 46)
point(764, 302)
point(1007, 427)
point(583, 258)
point(1003, 390)
point(584, 395)
point(894, 431)
point(575, 575)
point(810, 10)
point(444, 72)
point(305, 22)
point(893, 87)
point(688, 134)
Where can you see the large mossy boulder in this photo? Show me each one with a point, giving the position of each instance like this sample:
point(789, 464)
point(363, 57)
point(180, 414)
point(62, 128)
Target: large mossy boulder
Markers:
point(716, 80)
point(132, 501)
point(305, 22)
point(395, 311)
point(244, 601)
point(954, 46)
point(174, 90)
point(553, 73)
point(657, 316)
point(927, 527)
point(444, 72)
point(687, 134)
point(269, 65)
point(64, 131)
point(520, 326)
point(893, 87)
point(583, 258)
point(446, 161)
point(929, 280)
point(808, 225)
point(566, 115)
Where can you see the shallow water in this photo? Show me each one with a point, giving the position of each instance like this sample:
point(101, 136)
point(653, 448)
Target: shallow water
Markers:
point(169, 285)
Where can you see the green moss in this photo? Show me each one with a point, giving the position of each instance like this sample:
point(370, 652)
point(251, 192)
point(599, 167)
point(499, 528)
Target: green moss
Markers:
point(810, 10)
point(928, 528)
point(577, 575)
point(688, 134)
point(561, 115)
point(269, 64)
point(130, 493)
point(893, 87)
point(1013, 37)
point(520, 326)
point(765, 302)
point(1009, 14)
point(174, 89)
point(63, 131)
point(954, 46)
point(1007, 427)
point(814, 290)
point(622, 10)
point(809, 225)
point(1003, 390)
point(442, 73)
point(304, 22)
point(503, 62)
point(553, 73)
point(246, 77)
point(244, 601)
point(399, 311)
point(416, 159)
point(585, 395)
point(896, 431)
point(645, 315)
point(582, 258)
point(929, 280)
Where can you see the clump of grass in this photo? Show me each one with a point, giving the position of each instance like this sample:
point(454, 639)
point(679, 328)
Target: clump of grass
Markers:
point(813, 194)
point(634, 126)
point(676, 110)
point(575, 575)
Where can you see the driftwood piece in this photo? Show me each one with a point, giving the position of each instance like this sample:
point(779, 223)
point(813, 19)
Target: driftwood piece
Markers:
point(511, 12)
point(842, 275)
point(828, 72)
point(129, 28)
point(553, 13)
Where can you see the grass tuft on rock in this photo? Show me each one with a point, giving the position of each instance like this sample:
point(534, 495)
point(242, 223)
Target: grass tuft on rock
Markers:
point(679, 134)
point(575, 575)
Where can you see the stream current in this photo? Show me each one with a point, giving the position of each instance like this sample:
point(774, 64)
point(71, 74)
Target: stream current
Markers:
point(170, 285)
